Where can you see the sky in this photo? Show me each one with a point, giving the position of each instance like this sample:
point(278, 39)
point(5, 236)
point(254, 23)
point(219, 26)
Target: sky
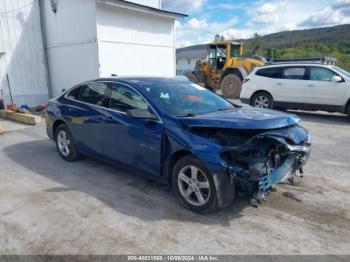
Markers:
point(237, 19)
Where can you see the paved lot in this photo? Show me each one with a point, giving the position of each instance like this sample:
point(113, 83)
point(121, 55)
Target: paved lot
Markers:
point(49, 206)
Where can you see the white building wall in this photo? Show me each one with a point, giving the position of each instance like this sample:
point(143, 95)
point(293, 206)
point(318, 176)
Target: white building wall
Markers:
point(185, 65)
point(71, 42)
point(151, 3)
point(134, 43)
point(24, 61)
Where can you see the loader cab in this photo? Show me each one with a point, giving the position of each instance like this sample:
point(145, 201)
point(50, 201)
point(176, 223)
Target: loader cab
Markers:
point(217, 56)
point(219, 53)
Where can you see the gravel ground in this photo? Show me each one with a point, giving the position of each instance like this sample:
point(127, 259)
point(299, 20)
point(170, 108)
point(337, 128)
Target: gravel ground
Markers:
point(48, 206)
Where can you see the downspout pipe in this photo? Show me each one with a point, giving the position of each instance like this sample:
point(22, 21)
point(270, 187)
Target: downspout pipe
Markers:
point(46, 58)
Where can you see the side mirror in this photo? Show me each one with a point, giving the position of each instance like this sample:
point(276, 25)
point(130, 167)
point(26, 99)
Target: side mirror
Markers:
point(140, 114)
point(336, 79)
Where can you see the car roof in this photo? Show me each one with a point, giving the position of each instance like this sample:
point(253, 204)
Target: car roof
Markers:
point(294, 64)
point(132, 80)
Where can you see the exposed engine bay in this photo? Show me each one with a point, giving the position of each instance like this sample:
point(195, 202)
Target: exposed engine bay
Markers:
point(260, 159)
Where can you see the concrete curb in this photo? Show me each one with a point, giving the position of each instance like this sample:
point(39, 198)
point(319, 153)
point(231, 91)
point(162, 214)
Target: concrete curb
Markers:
point(21, 118)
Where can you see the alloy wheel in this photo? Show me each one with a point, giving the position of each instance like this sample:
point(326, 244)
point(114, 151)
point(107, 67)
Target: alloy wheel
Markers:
point(63, 143)
point(194, 185)
point(262, 101)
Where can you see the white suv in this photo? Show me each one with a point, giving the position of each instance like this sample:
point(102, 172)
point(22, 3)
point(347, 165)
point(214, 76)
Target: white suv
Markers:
point(298, 86)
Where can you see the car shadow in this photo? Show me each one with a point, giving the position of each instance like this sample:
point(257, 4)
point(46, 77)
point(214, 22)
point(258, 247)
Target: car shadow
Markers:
point(125, 192)
point(322, 117)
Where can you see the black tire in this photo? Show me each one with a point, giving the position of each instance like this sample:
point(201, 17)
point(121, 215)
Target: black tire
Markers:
point(208, 192)
point(69, 153)
point(262, 100)
point(231, 86)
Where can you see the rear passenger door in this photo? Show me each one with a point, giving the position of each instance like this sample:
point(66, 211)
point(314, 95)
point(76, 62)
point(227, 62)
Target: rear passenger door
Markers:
point(84, 114)
point(290, 85)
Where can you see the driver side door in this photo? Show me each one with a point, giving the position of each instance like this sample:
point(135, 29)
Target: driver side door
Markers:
point(134, 142)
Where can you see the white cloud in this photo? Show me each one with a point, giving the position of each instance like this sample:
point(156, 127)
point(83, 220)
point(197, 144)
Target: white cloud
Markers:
point(265, 19)
point(184, 6)
point(237, 33)
point(261, 16)
point(267, 13)
point(338, 13)
point(267, 8)
point(230, 6)
point(194, 23)
point(196, 31)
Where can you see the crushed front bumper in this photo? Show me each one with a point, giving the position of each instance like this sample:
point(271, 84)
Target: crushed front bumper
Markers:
point(258, 175)
point(297, 158)
point(293, 166)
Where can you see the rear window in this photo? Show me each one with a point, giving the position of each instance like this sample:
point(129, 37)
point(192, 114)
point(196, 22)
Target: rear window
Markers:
point(282, 72)
point(274, 72)
point(74, 93)
point(93, 93)
point(297, 73)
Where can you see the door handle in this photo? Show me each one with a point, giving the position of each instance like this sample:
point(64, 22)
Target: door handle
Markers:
point(310, 85)
point(279, 84)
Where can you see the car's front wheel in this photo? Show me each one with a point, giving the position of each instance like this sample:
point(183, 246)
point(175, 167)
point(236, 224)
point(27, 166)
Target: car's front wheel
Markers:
point(194, 185)
point(262, 100)
point(65, 144)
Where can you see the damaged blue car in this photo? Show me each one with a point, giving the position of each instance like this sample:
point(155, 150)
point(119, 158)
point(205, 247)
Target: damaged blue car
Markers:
point(181, 134)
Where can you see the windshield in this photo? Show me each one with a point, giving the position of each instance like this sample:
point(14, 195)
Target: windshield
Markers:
point(342, 71)
point(183, 98)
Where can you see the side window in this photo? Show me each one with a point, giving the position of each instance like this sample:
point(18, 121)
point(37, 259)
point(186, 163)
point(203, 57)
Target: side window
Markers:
point(321, 74)
point(93, 93)
point(74, 93)
point(297, 73)
point(235, 50)
point(124, 99)
point(274, 72)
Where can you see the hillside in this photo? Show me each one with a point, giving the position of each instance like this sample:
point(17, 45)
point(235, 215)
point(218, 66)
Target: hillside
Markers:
point(307, 43)
point(287, 39)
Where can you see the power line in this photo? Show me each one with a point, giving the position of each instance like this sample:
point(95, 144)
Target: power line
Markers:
point(17, 9)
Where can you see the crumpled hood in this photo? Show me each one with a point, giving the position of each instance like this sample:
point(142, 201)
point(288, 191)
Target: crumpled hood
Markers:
point(245, 117)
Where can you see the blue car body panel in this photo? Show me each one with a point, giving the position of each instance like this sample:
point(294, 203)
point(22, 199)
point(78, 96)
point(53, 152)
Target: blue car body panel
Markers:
point(121, 135)
point(150, 147)
point(244, 117)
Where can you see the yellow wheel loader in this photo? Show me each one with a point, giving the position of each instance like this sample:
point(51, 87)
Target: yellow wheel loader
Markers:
point(226, 68)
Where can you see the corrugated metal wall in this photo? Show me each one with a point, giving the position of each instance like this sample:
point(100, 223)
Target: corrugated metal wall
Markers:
point(24, 60)
point(71, 42)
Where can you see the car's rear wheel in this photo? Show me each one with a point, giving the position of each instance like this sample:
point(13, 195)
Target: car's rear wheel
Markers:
point(262, 100)
point(65, 144)
point(231, 86)
point(194, 185)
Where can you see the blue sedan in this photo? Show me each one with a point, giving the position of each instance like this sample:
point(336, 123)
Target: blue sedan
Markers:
point(181, 134)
